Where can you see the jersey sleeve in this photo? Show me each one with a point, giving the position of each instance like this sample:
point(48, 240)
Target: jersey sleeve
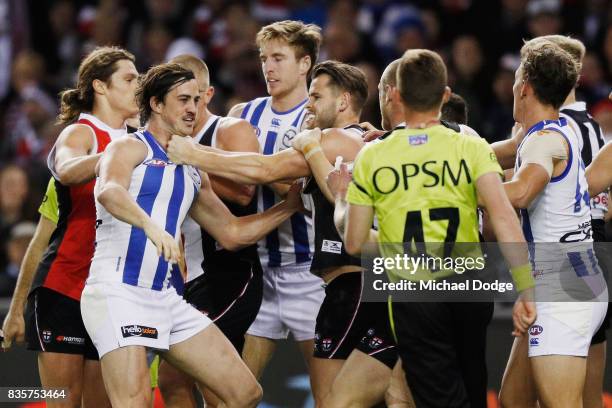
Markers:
point(482, 157)
point(49, 207)
point(360, 189)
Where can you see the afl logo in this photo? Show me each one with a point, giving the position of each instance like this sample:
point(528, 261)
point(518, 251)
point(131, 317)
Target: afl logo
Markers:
point(288, 137)
point(156, 163)
point(536, 330)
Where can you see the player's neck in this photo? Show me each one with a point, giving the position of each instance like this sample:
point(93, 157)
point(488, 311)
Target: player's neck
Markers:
point(202, 119)
point(347, 119)
point(537, 113)
point(421, 120)
point(108, 116)
point(571, 98)
point(291, 99)
point(160, 131)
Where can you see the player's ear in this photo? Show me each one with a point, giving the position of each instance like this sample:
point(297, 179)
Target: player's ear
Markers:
point(155, 104)
point(208, 95)
point(446, 95)
point(99, 86)
point(344, 101)
point(304, 65)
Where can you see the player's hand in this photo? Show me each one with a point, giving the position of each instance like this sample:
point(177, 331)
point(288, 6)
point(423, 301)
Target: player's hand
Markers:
point(179, 148)
point(523, 313)
point(165, 243)
point(517, 134)
point(294, 197)
point(339, 179)
point(13, 328)
point(367, 126)
point(372, 135)
point(305, 138)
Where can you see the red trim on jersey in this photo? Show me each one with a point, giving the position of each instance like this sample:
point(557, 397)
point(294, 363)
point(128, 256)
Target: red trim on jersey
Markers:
point(70, 267)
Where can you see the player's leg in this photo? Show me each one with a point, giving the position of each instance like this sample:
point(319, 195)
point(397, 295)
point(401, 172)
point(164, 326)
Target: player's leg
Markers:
point(398, 393)
point(257, 353)
point(94, 394)
point(517, 387)
point(323, 371)
point(65, 371)
point(559, 380)
point(361, 382)
point(593, 385)
point(260, 340)
point(126, 377)
point(211, 360)
point(176, 387)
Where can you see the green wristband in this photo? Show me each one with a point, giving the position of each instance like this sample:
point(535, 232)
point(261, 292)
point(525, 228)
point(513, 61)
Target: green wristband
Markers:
point(522, 276)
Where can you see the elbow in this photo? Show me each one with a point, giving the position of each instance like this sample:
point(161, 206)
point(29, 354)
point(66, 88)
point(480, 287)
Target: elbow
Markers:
point(352, 248)
point(67, 177)
point(246, 195)
point(106, 198)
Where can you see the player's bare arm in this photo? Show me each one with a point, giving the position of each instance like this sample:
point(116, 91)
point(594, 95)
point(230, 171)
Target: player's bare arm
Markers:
point(115, 172)
point(599, 172)
point(234, 232)
point(74, 163)
point(543, 156)
point(14, 324)
point(359, 220)
point(320, 155)
point(243, 168)
point(507, 229)
point(235, 135)
point(505, 150)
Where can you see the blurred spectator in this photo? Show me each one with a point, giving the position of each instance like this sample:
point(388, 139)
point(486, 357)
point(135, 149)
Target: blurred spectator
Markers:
point(602, 113)
point(371, 110)
point(498, 115)
point(593, 85)
point(28, 110)
point(20, 236)
point(544, 17)
point(466, 73)
point(13, 38)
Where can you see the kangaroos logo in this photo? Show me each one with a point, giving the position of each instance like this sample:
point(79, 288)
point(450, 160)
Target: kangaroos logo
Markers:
point(156, 163)
point(288, 137)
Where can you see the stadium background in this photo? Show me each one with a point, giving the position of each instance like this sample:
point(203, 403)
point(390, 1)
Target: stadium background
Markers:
point(42, 42)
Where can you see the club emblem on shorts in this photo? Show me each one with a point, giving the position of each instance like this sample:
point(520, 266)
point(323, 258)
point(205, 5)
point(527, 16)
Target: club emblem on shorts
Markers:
point(327, 344)
point(136, 330)
point(288, 137)
point(534, 342)
point(416, 140)
point(536, 330)
point(375, 343)
point(46, 336)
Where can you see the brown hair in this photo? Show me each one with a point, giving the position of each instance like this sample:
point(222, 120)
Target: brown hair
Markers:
point(305, 39)
point(572, 46)
point(100, 64)
point(421, 79)
point(346, 78)
point(455, 110)
point(550, 70)
point(194, 64)
point(156, 83)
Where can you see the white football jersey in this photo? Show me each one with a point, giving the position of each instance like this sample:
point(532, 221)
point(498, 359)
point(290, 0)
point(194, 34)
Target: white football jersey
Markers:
point(165, 191)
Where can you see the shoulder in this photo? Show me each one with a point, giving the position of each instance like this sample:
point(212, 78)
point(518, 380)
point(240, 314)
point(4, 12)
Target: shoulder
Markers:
point(236, 135)
point(234, 124)
point(129, 145)
point(237, 110)
point(77, 133)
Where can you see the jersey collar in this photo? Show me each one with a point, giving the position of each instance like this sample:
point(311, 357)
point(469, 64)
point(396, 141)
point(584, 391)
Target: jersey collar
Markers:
point(114, 133)
point(540, 125)
point(577, 106)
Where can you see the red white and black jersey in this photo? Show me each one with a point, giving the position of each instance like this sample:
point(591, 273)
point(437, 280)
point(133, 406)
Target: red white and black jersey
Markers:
point(65, 264)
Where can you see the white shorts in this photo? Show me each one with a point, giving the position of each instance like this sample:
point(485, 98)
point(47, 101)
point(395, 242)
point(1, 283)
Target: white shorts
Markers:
point(291, 300)
point(565, 328)
point(118, 315)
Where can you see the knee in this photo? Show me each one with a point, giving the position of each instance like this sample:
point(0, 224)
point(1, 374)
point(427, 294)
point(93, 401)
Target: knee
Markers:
point(249, 396)
point(510, 400)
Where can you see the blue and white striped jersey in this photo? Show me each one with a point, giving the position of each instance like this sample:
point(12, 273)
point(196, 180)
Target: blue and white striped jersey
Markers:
point(165, 191)
point(561, 212)
point(293, 241)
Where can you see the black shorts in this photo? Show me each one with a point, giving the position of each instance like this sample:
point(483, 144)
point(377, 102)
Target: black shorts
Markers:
point(604, 258)
point(344, 323)
point(443, 347)
point(230, 295)
point(54, 323)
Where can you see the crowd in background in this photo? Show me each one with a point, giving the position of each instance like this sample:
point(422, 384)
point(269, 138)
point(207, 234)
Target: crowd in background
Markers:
point(43, 41)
